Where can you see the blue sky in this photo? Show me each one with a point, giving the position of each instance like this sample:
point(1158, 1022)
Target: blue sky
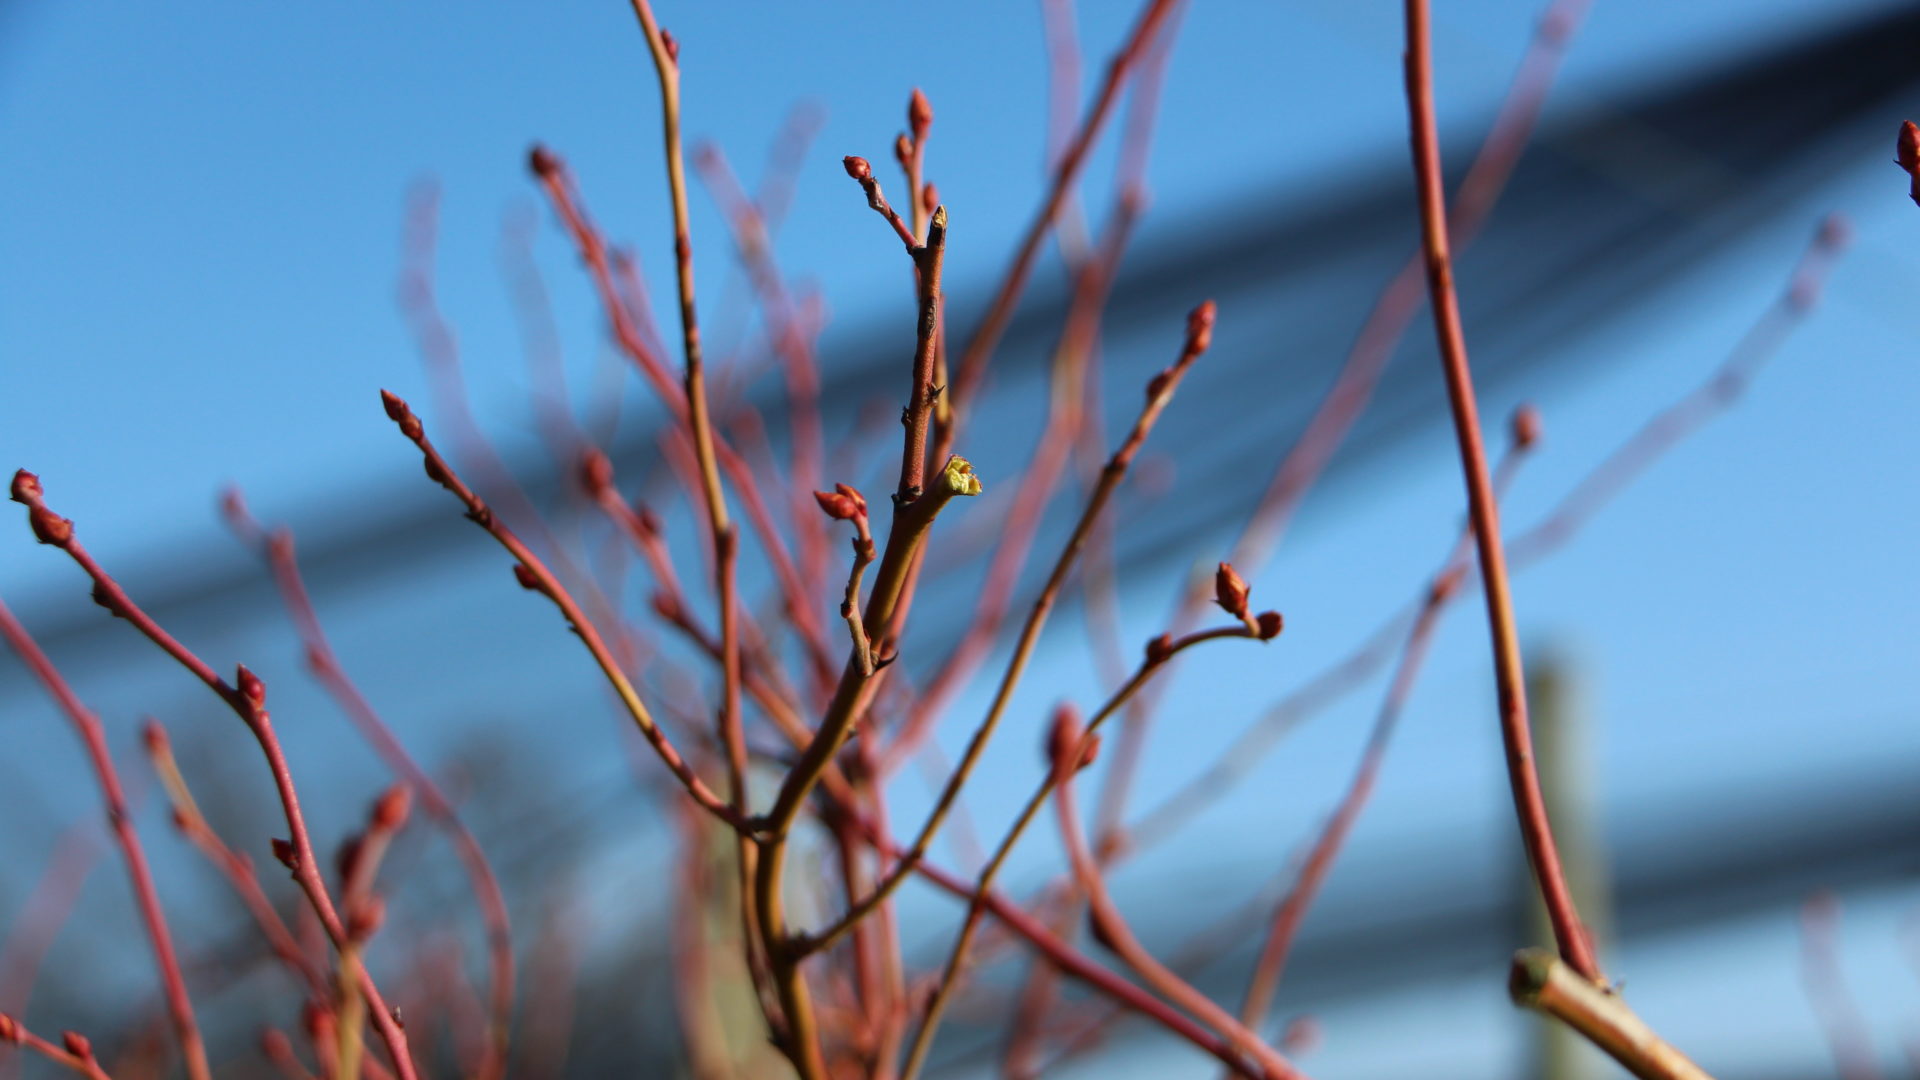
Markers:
point(197, 262)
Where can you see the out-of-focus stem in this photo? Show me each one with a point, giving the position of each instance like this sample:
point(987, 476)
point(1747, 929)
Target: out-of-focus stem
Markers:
point(186, 1029)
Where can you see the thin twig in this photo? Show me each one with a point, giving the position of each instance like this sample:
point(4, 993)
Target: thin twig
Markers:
point(1848, 1037)
point(248, 703)
point(1576, 946)
point(76, 1053)
point(236, 868)
point(186, 1029)
point(1291, 911)
point(277, 549)
point(1112, 929)
point(1199, 335)
point(1158, 653)
point(1721, 388)
point(1373, 348)
point(533, 574)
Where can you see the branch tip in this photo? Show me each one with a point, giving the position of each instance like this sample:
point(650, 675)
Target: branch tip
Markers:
point(26, 487)
point(919, 115)
point(1230, 591)
point(543, 162)
point(1525, 427)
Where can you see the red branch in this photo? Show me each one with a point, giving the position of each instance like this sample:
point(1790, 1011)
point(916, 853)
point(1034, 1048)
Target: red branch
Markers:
point(276, 548)
point(51, 528)
point(1576, 947)
point(179, 1006)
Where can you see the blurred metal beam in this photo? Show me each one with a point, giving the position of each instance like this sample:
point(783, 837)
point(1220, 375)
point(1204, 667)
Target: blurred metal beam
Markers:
point(1606, 210)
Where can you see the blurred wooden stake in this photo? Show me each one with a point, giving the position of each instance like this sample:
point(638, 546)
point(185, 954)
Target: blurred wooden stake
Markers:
point(1561, 733)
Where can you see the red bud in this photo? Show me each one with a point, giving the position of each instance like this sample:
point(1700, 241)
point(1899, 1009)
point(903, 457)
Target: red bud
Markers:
point(9, 1029)
point(929, 198)
point(283, 850)
point(399, 412)
point(26, 486)
point(1159, 649)
point(1836, 232)
point(77, 1044)
point(347, 858)
point(233, 506)
point(857, 168)
point(1230, 591)
point(364, 921)
point(1158, 384)
point(672, 44)
point(903, 150)
point(251, 687)
point(1090, 753)
point(318, 1022)
point(542, 161)
point(391, 811)
point(1062, 736)
point(396, 407)
point(1270, 623)
point(1302, 1036)
point(1200, 327)
point(837, 506)
point(919, 115)
point(1525, 427)
point(859, 500)
point(527, 579)
point(596, 472)
point(1444, 585)
point(665, 606)
point(49, 527)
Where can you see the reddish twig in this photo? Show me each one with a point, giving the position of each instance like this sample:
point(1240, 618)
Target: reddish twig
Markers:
point(846, 504)
point(1373, 347)
point(1112, 930)
point(247, 701)
point(1667, 428)
point(1292, 909)
point(39, 917)
point(1068, 960)
point(754, 245)
point(1576, 946)
point(277, 549)
point(236, 868)
point(1848, 1036)
point(75, 1052)
point(278, 1050)
point(986, 336)
point(1018, 529)
point(186, 1029)
point(1159, 652)
point(533, 574)
point(1199, 335)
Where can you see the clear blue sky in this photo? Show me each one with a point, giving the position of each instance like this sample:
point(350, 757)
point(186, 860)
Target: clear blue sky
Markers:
point(199, 241)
